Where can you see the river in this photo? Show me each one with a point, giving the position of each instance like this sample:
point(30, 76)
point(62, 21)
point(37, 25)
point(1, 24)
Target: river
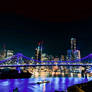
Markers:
point(29, 85)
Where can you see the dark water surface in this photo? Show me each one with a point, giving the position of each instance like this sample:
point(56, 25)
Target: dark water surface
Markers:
point(29, 85)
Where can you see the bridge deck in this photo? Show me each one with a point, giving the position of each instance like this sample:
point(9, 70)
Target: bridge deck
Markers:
point(27, 65)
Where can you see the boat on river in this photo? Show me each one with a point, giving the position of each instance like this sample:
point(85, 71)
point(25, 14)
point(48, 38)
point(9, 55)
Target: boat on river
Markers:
point(41, 82)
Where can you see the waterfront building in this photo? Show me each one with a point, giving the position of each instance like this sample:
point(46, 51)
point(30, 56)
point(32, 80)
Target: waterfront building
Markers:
point(44, 57)
point(10, 53)
point(62, 58)
point(56, 59)
point(50, 57)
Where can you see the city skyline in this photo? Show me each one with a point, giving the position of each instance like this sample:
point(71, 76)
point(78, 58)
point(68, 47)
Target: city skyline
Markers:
point(58, 54)
point(60, 41)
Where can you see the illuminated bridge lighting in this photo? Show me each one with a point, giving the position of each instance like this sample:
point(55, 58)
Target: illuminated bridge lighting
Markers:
point(20, 60)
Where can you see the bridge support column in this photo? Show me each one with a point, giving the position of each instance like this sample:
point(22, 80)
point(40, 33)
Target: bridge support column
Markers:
point(84, 72)
point(18, 69)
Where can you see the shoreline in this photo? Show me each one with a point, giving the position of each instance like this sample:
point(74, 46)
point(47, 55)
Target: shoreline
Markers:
point(13, 74)
point(83, 87)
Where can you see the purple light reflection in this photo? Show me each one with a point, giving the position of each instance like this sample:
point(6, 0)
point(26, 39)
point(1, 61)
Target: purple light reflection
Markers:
point(26, 85)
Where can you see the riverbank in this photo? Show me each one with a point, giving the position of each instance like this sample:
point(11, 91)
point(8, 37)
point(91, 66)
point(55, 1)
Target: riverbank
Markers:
point(83, 87)
point(13, 74)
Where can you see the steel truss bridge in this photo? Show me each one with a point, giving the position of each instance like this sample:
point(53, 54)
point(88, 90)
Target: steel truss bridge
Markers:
point(19, 60)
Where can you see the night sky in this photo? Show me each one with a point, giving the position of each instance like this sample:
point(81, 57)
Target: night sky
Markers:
point(24, 24)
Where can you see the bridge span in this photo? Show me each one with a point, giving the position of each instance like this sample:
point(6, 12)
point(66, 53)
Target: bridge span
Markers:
point(33, 65)
point(19, 60)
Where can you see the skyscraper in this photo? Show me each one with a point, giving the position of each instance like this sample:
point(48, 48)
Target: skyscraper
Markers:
point(69, 55)
point(75, 52)
point(38, 52)
point(73, 44)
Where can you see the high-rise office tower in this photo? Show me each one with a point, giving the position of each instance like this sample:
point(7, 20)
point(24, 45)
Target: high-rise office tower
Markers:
point(38, 52)
point(3, 52)
point(73, 44)
point(69, 55)
point(39, 55)
point(75, 53)
point(73, 48)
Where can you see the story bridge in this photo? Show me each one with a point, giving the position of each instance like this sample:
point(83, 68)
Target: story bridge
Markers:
point(19, 60)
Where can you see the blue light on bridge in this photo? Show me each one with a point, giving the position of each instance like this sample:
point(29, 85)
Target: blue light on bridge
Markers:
point(16, 57)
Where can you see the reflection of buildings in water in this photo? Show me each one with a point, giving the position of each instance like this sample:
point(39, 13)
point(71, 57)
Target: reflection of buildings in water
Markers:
point(63, 74)
point(71, 74)
point(36, 74)
point(44, 87)
point(79, 75)
point(53, 73)
point(43, 74)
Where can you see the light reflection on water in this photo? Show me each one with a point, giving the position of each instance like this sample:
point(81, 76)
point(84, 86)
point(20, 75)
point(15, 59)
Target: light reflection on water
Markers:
point(29, 85)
